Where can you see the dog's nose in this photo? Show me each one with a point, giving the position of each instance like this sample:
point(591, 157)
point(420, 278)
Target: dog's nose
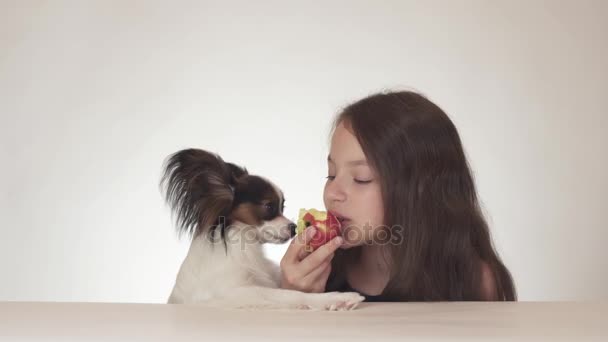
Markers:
point(292, 229)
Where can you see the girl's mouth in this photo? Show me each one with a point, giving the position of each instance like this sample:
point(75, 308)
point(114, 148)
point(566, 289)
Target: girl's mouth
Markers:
point(343, 221)
point(339, 218)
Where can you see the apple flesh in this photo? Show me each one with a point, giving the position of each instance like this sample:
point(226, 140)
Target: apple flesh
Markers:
point(327, 225)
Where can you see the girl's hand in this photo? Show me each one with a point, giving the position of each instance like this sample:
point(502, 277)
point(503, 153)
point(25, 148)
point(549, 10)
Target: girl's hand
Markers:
point(305, 271)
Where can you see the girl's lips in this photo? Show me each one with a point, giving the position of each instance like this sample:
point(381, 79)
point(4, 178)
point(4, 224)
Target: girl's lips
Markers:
point(343, 221)
point(340, 218)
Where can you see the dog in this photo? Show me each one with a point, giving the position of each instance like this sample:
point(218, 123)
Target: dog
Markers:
point(229, 214)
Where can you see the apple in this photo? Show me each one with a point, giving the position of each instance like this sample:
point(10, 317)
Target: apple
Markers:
point(327, 225)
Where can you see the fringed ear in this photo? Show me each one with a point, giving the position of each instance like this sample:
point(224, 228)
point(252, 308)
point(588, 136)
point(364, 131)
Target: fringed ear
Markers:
point(198, 188)
point(236, 175)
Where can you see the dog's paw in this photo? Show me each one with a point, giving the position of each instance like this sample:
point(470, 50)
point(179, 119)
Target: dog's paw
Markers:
point(336, 301)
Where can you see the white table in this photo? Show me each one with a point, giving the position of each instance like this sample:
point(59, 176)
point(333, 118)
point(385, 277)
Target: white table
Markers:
point(370, 322)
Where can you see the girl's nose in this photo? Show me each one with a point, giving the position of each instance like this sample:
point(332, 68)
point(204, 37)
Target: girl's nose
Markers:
point(335, 191)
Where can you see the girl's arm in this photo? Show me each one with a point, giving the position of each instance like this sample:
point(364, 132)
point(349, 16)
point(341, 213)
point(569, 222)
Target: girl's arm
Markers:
point(488, 283)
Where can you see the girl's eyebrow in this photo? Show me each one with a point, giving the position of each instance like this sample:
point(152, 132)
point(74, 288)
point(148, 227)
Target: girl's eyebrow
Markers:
point(352, 162)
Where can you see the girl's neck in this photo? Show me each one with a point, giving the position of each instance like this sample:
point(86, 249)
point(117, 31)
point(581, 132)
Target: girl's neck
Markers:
point(371, 272)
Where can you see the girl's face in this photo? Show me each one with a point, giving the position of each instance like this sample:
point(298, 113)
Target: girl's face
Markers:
point(352, 190)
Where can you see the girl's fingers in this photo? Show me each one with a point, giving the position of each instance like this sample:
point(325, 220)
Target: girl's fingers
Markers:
point(316, 258)
point(297, 248)
point(314, 276)
point(324, 275)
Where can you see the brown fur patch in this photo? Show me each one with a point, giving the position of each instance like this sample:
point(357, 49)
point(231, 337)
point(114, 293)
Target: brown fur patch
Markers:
point(247, 213)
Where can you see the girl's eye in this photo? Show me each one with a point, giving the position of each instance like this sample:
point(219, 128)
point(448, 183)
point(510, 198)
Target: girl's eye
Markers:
point(331, 178)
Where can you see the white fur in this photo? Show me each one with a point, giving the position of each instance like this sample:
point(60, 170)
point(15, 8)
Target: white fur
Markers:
point(243, 277)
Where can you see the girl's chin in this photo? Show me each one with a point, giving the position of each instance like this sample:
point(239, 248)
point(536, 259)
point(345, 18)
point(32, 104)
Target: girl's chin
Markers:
point(346, 245)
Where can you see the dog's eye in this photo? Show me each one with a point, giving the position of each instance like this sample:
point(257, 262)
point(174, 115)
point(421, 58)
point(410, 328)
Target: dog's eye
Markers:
point(271, 211)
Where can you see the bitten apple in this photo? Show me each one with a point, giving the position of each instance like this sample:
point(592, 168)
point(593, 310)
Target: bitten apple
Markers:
point(327, 225)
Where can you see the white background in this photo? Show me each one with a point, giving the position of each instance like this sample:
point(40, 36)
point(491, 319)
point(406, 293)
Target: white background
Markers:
point(95, 94)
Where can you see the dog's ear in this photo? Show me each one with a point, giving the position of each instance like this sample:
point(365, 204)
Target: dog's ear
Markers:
point(237, 174)
point(198, 188)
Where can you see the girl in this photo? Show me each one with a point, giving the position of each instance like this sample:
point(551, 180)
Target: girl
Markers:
point(413, 229)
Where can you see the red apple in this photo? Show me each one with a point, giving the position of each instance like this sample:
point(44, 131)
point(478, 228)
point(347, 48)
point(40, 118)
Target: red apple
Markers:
point(327, 225)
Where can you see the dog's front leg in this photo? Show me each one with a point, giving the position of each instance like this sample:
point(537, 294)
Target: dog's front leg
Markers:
point(256, 297)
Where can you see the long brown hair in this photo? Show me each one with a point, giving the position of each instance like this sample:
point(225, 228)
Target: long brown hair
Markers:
point(430, 202)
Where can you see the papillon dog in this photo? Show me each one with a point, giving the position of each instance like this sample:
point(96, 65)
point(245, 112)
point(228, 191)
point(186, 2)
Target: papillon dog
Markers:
point(229, 214)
